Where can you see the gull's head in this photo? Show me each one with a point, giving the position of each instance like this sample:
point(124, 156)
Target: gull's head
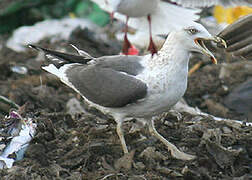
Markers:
point(193, 38)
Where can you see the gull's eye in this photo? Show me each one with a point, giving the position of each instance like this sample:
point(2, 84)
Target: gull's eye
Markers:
point(192, 31)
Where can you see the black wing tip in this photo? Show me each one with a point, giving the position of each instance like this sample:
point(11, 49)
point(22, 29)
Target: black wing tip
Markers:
point(32, 46)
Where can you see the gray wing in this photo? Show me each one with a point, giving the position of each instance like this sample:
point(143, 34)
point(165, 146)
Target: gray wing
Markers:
point(109, 83)
point(238, 37)
point(128, 64)
point(208, 3)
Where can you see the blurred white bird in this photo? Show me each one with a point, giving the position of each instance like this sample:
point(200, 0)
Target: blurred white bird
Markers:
point(148, 16)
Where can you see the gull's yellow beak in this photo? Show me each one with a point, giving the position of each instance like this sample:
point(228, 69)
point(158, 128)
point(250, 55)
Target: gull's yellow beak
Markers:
point(200, 43)
point(220, 42)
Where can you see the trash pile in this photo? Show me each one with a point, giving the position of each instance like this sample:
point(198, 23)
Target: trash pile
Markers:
point(16, 133)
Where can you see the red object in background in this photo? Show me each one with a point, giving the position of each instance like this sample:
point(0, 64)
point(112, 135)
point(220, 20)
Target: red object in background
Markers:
point(132, 51)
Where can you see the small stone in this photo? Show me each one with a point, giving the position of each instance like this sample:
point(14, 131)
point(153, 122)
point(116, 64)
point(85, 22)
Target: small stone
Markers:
point(185, 170)
point(168, 171)
point(228, 157)
point(216, 108)
point(125, 162)
point(75, 139)
point(74, 107)
point(2, 146)
point(139, 165)
point(168, 123)
point(151, 153)
point(226, 130)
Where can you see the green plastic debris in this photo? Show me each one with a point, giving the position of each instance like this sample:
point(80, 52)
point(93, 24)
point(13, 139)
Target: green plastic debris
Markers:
point(92, 11)
point(27, 12)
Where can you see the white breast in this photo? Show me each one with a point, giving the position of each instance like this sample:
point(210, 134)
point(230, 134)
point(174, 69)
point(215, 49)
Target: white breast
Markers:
point(166, 86)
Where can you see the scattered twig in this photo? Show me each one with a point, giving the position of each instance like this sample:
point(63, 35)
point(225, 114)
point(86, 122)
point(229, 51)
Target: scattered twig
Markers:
point(195, 68)
point(9, 102)
point(140, 176)
point(114, 174)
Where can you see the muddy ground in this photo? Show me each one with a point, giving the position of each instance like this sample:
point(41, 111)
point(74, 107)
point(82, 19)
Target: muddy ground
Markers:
point(86, 146)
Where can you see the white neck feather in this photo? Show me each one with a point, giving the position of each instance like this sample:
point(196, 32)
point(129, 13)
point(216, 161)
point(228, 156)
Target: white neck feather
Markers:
point(172, 53)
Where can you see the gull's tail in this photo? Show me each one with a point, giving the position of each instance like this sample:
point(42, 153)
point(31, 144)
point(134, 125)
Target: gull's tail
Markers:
point(59, 62)
point(59, 59)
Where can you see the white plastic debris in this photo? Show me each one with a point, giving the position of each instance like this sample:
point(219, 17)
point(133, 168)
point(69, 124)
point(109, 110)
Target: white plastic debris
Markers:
point(6, 162)
point(55, 29)
point(19, 69)
point(18, 142)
